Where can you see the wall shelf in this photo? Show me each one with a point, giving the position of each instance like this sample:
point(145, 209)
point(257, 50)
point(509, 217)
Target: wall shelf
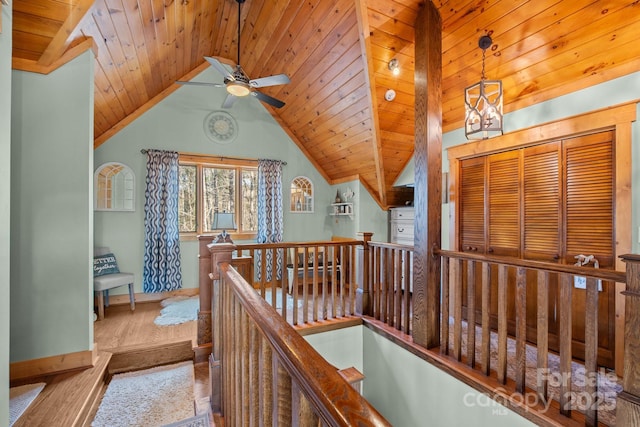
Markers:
point(342, 209)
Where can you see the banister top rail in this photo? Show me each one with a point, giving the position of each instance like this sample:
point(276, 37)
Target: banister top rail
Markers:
point(596, 273)
point(335, 401)
point(389, 245)
point(241, 246)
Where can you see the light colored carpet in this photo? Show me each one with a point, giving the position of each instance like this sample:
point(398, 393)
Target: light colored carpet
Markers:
point(268, 296)
point(178, 310)
point(151, 397)
point(20, 398)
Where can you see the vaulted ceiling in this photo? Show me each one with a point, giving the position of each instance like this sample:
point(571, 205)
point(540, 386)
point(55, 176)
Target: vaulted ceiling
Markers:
point(336, 53)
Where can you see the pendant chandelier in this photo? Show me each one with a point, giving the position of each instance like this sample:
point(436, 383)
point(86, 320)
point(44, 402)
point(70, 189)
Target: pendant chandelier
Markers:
point(483, 103)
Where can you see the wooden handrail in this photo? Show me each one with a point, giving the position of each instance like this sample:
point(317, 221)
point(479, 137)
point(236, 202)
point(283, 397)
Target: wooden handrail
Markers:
point(332, 398)
point(596, 273)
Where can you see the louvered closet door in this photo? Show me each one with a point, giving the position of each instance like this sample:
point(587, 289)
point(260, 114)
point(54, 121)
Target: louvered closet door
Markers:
point(472, 191)
point(589, 229)
point(503, 231)
point(542, 230)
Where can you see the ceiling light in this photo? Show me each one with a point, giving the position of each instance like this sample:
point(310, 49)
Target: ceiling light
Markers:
point(238, 88)
point(483, 103)
point(394, 66)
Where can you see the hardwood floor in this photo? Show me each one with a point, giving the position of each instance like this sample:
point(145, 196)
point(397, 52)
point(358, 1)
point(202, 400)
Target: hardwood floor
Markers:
point(123, 329)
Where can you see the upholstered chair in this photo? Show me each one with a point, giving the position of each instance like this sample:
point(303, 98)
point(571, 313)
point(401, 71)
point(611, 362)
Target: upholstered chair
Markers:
point(106, 276)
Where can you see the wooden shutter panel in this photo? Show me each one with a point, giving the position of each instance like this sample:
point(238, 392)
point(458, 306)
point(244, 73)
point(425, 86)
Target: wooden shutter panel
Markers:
point(589, 197)
point(504, 203)
point(542, 208)
point(472, 205)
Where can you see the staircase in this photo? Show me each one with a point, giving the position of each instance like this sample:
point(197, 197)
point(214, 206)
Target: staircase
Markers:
point(71, 399)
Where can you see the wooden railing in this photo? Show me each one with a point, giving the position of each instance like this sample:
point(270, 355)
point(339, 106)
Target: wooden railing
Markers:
point(269, 375)
point(305, 281)
point(386, 293)
point(391, 282)
point(453, 299)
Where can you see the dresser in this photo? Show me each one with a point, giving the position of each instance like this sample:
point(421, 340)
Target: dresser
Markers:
point(401, 225)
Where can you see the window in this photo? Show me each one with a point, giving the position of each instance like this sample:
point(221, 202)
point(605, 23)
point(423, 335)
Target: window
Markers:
point(213, 184)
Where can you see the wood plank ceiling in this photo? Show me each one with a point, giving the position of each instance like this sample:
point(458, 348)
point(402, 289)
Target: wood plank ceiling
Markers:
point(336, 54)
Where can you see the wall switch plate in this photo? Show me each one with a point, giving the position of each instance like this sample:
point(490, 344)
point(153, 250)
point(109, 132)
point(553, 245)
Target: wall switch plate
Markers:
point(580, 282)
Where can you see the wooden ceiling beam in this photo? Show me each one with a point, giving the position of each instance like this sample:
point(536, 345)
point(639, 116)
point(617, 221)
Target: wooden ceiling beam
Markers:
point(370, 81)
point(62, 39)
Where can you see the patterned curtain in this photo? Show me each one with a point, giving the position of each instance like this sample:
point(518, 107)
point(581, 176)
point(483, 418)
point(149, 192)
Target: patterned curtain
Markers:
point(270, 220)
point(162, 270)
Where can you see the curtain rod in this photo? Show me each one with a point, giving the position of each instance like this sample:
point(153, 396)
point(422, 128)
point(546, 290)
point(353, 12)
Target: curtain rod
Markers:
point(144, 151)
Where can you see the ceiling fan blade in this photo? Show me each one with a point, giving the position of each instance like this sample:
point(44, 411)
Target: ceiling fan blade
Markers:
point(268, 99)
point(199, 83)
point(228, 101)
point(278, 79)
point(221, 68)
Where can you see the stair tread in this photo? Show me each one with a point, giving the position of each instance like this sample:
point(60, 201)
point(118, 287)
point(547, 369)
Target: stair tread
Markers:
point(73, 391)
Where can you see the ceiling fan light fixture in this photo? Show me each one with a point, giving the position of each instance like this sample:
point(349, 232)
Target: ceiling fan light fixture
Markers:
point(238, 88)
point(483, 103)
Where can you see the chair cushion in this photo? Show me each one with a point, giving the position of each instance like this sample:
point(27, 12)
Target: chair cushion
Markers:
point(105, 264)
point(109, 281)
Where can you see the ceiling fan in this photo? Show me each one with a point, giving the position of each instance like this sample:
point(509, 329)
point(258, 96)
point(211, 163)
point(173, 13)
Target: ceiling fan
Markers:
point(238, 84)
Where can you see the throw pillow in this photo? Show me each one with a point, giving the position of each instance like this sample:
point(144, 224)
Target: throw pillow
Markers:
point(104, 264)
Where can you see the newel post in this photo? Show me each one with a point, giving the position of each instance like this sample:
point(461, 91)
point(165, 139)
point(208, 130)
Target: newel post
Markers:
point(220, 252)
point(628, 402)
point(204, 285)
point(363, 293)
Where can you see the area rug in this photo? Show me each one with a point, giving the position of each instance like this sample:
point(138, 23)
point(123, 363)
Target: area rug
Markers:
point(200, 420)
point(20, 398)
point(151, 397)
point(178, 310)
point(268, 296)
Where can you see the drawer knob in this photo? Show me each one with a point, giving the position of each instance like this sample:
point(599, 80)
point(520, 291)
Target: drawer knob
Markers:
point(400, 230)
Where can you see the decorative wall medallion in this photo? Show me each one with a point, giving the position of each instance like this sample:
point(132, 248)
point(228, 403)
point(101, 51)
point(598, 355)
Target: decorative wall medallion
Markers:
point(221, 127)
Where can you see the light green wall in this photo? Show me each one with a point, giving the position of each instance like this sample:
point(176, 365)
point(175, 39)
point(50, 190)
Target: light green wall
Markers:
point(618, 91)
point(367, 215)
point(177, 124)
point(51, 215)
point(5, 193)
point(405, 389)
point(341, 347)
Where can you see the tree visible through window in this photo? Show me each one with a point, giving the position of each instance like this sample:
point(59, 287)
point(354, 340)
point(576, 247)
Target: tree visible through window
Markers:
point(209, 185)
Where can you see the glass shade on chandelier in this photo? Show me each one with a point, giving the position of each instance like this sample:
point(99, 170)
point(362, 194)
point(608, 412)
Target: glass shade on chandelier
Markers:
point(483, 104)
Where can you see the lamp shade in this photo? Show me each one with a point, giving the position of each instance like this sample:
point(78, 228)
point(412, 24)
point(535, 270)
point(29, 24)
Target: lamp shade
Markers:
point(224, 221)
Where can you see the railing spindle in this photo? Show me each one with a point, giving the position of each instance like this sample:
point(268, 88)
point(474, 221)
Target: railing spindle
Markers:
point(266, 383)
point(282, 394)
point(521, 329)
point(457, 309)
point(485, 356)
point(565, 307)
point(408, 290)
point(501, 369)
point(446, 301)
point(591, 352)
point(471, 313)
point(542, 341)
